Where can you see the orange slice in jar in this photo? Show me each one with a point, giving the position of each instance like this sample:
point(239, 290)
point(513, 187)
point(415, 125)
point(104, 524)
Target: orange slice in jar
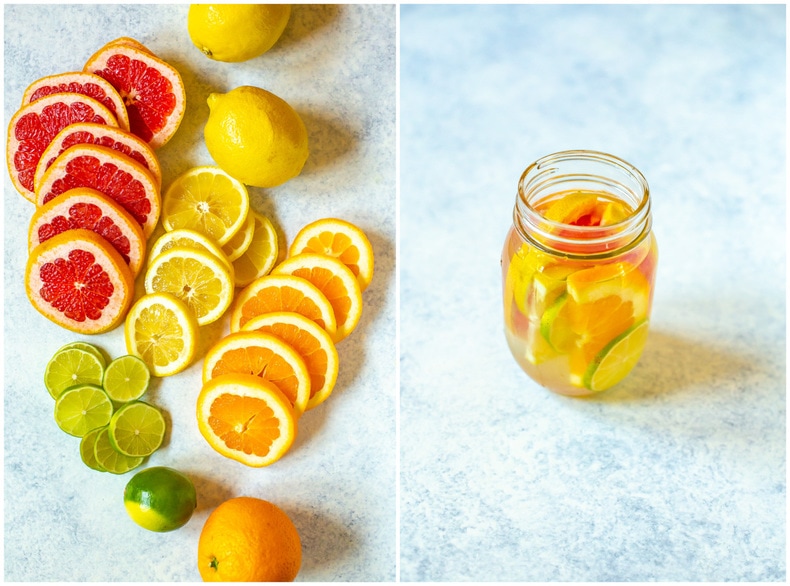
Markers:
point(572, 207)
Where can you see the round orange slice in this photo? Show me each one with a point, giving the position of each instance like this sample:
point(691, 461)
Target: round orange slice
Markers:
point(246, 418)
point(80, 82)
point(335, 280)
point(340, 239)
point(311, 342)
point(86, 208)
point(77, 280)
point(152, 90)
point(34, 126)
point(265, 356)
point(108, 171)
point(282, 293)
point(102, 135)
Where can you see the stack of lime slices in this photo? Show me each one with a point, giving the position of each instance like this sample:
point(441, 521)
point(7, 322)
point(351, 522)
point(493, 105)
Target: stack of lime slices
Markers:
point(100, 403)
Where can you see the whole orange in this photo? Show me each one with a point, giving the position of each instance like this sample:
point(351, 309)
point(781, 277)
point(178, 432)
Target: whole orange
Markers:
point(247, 539)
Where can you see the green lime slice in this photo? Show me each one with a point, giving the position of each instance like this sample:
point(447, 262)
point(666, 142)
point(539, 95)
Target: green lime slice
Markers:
point(137, 429)
point(111, 459)
point(71, 367)
point(555, 325)
point(87, 446)
point(88, 347)
point(82, 408)
point(126, 379)
point(616, 360)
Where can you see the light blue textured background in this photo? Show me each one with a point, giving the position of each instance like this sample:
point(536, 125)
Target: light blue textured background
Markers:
point(679, 473)
point(64, 522)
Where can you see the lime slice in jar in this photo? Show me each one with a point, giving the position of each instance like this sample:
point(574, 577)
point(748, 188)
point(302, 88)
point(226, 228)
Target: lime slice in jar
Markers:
point(617, 359)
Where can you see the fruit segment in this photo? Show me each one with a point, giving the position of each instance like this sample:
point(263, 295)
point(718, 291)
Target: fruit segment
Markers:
point(575, 323)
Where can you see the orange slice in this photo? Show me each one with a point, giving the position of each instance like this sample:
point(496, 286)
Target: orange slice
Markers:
point(102, 135)
point(34, 126)
point(108, 171)
point(572, 207)
point(335, 280)
point(265, 356)
point(282, 293)
point(80, 82)
point(311, 342)
point(246, 418)
point(83, 207)
point(77, 280)
point(340, 239)
point(152, 90)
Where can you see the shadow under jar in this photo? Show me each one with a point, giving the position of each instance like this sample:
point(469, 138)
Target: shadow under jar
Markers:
point(578, 269)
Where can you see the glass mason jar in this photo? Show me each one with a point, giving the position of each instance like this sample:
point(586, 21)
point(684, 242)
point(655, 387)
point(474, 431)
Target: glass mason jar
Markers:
point(578, 269)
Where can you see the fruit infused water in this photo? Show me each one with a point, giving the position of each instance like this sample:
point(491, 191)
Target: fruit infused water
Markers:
point(578, 269)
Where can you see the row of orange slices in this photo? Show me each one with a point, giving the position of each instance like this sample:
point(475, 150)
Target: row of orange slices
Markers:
point(82, 148)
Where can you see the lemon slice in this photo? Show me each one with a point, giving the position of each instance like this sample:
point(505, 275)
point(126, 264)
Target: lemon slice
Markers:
point(207, 200)
point(261, 254)
point(163, 332)
point(617, 359)
point(190, 239)
point(241, 241)
point(196, 277)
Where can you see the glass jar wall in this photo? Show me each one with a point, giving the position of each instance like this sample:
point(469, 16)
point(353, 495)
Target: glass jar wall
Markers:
point(578, 270)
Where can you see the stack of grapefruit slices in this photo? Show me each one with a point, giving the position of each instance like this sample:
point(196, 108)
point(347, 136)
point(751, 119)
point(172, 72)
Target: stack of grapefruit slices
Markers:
point(280, 358)
point(82, 148)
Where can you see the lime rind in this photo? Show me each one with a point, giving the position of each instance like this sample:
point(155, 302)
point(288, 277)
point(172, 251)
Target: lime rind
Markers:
point(82, 408)
point(111, 459)
point(126, 379)
point(617, 359)
point(137, 429)
point(71, 367)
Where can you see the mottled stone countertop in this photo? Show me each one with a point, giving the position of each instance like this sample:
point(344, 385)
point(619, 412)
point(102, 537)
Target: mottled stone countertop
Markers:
point(679, 473)
point(64, 522)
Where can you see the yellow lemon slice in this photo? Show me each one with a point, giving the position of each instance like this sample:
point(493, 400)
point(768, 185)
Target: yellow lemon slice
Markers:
point(261, 254)
point(163, 332)
point(190, 239)
point(207, 200)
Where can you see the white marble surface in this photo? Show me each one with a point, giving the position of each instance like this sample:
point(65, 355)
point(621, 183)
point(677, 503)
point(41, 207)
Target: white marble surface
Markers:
point(63, 522)
point(678, 474)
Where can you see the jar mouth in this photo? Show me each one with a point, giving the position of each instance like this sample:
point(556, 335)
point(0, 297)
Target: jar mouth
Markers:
point(582, 170)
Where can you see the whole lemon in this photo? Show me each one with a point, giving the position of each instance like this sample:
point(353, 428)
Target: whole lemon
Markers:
point(255, 136)
point(248, 539)
point(236, 32)
point(160, 499)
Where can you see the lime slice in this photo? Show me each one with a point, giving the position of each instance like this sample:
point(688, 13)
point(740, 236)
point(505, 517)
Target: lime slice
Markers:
point(87, 446)
point(126, 379)
point(82, 408)
point(555, 325)
point(137, 429)
point(71, 367)
point(88, 348)
point(111, 459)
point(616, 360)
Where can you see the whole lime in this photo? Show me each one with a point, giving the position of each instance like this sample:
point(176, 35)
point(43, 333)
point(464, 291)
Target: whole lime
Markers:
point(255, 136)
point(236, 32)
point(160, 499)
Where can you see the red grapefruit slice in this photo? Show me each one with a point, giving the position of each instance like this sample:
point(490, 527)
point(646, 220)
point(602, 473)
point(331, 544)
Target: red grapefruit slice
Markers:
point(34, 126)
point(108, 171)
point(86, 208)
point(80, 82)
point(102, 135)
point(78, 281)
point(151, 89)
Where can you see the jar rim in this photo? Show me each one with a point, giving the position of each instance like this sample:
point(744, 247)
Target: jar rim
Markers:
point(625, 182)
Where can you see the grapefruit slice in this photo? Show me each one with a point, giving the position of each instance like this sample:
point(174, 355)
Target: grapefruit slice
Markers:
point(80, 82)
point(102, 135)
point(86, 208)
point(109, 172)
point(78, 281)
point(34, 126)
point(151, 89)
